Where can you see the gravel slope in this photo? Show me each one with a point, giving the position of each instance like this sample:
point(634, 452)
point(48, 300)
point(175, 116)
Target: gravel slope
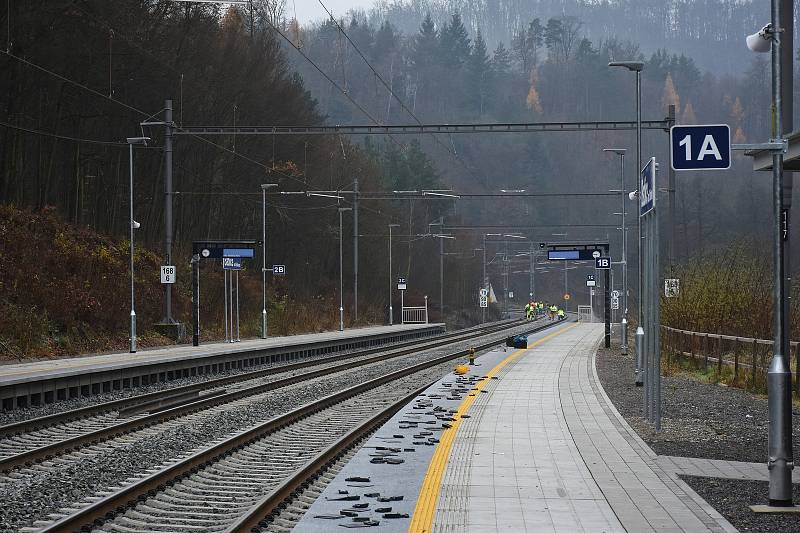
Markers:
point(708, 421)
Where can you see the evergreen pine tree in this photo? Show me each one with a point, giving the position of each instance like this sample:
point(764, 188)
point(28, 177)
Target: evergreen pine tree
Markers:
point(478, 73)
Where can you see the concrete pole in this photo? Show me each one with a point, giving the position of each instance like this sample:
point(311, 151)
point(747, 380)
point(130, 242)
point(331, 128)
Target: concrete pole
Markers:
point(780, 460)
point(168, 207)
point(671, 196)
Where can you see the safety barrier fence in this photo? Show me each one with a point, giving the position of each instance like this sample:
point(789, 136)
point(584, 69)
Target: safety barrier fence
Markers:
point(749, 358)
point(415, 315)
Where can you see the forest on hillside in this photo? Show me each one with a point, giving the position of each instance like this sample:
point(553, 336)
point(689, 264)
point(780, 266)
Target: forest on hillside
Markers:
point(83, 75)
point(549, 71)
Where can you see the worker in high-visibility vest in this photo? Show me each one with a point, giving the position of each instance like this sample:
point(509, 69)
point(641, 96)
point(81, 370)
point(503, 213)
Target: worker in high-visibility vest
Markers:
point(561, 315)
point(527, 311)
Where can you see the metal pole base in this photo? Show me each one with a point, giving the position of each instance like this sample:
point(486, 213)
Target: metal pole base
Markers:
point(639, 356)
point(624, 336)
point(195, 340)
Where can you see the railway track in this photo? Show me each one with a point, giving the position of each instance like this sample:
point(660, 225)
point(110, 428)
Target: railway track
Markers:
point(28, 442)
point(239, 482)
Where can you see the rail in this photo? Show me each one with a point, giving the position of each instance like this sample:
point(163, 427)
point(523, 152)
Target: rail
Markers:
point(749, 357)
point(116, 502)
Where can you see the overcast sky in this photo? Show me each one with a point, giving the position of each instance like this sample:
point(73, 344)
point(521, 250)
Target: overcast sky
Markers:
point(308, 10)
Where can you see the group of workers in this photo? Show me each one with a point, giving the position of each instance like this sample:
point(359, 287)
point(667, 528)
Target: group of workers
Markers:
point(534, 310)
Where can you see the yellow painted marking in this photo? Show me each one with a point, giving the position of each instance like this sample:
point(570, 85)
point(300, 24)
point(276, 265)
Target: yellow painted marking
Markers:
point(422, 520)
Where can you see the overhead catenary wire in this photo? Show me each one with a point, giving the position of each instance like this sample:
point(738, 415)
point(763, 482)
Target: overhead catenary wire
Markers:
point(62, 137)
point(330, 80)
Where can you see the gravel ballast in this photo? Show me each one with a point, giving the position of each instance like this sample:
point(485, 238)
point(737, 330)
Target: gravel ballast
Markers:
point(708, 421)
point(30, 494)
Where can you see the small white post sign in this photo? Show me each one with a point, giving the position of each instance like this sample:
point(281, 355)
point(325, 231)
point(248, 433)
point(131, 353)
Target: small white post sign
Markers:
point(672, 288)
point(168, 274)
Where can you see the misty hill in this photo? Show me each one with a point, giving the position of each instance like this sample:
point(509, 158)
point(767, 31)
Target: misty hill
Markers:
point(710, 31)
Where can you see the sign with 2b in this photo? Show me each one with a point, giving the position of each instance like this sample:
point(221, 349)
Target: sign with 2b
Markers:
point(232, 263)
point(702, 147)
point(279, 270)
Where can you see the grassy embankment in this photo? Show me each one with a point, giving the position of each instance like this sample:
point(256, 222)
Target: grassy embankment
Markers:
point(726, 293)
point(64, 290)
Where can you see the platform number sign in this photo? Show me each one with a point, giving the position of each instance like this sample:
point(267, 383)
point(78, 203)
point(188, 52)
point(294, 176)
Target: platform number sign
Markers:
point(705, 147)
point(279, 270)
point(590, 280)
point(401, 284)
point(168, 274)
point(602, 263)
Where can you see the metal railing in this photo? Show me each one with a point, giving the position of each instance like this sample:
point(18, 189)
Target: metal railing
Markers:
point(415, 315)
point(748, 357)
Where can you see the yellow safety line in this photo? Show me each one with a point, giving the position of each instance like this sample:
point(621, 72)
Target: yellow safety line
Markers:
point(422, 520)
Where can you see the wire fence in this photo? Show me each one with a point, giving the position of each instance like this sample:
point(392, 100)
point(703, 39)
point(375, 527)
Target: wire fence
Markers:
point(742, 359)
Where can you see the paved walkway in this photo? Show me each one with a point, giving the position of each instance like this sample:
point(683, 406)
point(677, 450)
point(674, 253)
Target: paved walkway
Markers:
point(545, 450)
point(692, 466)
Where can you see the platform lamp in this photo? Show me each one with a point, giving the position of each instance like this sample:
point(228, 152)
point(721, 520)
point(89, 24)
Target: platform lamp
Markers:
point(341, 279)
point(264, 187)
point(133, 226)
point(391, 281)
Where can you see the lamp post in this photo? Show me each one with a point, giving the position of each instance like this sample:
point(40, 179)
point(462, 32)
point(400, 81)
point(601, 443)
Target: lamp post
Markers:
point(624, 333)
point(133, 225)
point(391, 281)
point(779, 379)
point(264, 187)
point(636, 66)
point(341, 279)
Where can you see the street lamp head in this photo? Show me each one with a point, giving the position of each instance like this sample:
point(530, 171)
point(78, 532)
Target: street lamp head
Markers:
point(633, 195)
point(266, 186)
point(618, 151)
point(761, 41)
point(394, 225)
point(634, 66)
point(135, 225)
point(343, 209)
point(138, 140)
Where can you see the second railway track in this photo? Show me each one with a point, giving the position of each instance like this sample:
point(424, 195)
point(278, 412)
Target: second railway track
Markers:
point(244, 477)
point(27, 442)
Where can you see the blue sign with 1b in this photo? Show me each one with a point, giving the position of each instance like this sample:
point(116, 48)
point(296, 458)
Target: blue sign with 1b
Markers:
point(647, 187)
point(706, 147)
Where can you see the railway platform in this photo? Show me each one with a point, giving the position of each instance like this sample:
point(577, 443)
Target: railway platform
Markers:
point(526, 441)
point(36, 383)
